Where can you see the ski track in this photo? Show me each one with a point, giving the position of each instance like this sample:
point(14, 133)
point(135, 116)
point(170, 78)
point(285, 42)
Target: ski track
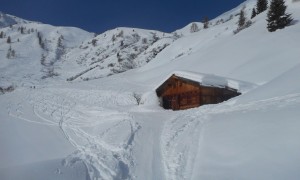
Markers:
point(183, 133)
point(79, 112)
point(104, 135)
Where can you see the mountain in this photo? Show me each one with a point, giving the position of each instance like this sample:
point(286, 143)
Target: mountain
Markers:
point(83, 106)
point(38, 48)
point(67, 53)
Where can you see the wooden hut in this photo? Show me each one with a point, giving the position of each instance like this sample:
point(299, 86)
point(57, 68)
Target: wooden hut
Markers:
point(180, 92)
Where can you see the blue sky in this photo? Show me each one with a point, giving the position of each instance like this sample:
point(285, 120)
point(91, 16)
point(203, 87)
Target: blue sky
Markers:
point(100, 15)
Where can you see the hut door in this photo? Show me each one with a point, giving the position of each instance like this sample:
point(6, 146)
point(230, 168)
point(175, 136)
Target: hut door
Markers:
point(175, 104)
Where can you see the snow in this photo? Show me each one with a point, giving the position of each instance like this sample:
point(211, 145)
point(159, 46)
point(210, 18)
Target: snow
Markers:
point(212, 80)
point(9, 20)
point(114, 128)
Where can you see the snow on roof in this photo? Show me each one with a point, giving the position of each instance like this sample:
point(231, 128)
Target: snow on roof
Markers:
point(209, 80)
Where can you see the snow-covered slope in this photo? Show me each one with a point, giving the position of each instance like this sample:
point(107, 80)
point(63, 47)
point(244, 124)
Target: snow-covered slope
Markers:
point(9, 20)
point(114, 128)
point(67, 53)
point(116, 51)
point(35, 51)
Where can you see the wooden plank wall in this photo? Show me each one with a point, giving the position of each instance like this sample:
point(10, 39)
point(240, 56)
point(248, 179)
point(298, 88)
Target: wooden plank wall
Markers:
point(179, 94)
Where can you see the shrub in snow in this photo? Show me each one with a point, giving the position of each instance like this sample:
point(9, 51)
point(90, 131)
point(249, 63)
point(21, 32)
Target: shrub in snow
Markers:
point(137, 97)
point(113, 38)
point(144, 41)
point(176, 35)
point(11, 53)
point(219, 21)
point(6, 89)
point(136, 37)
point(43, 60)
point(121, 34)
point(277, 17)
point(111, 65)
point(94, 42)
point(194, 28)
point(50, 73)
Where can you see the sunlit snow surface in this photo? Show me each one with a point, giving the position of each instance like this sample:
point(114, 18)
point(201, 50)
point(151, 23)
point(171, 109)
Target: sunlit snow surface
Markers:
point(114, 128)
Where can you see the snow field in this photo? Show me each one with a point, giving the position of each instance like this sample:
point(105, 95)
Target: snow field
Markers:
point(114, 128)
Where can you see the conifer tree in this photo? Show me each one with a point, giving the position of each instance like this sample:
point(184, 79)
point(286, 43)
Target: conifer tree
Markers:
point(1, 34)
point(41, 43)
point(261, 6)
point(8, 40)
point(253, 13)
point(59, 41)
point(277, 17)
point(22, 30)
point(242, 19)
point(60, 48)
point(205, 22)
point(243, 22)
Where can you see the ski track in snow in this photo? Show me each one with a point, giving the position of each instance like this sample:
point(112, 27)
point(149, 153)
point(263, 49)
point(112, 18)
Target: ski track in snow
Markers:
point(183, 133)
point(104, 135)
point(78, 113)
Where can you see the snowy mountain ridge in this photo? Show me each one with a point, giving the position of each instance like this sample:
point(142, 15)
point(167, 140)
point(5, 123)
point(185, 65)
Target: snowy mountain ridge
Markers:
point(116, 51)
point(114, 127)
point(9, 20)
point(55, 50)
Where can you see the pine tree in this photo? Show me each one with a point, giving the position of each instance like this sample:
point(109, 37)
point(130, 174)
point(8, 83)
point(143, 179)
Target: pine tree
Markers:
point(59, 41)
point(253, 13)
point(205, 22)
point(242, 19)
point(41, 43)
point(261, 6)
point(243, 22)
point(277, 17)
point(22, 30)
point(1, 34)
point(8, 40)
point(60, 50)
point(113, 38)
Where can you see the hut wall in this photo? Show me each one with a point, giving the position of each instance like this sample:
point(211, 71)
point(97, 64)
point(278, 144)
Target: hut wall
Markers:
point(178, 94)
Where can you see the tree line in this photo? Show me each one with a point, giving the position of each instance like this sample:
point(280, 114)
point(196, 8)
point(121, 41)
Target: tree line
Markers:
point(277, 18)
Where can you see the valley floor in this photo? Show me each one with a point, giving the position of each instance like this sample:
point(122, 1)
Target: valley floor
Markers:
point(68, 133)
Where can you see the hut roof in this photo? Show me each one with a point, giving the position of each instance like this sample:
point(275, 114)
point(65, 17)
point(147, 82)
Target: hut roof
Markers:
point(208, 80)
